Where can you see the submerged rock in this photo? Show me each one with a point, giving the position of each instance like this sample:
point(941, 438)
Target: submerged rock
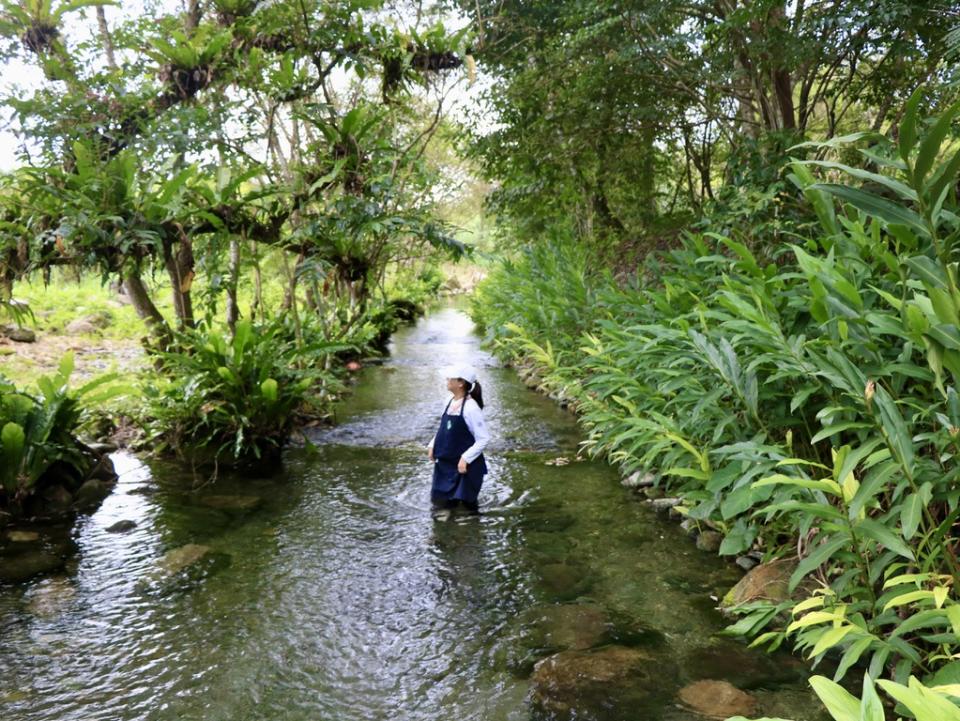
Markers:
point(731, 661)
point(717, 699)
point(565, 627)
point(121, 526)
point(181, 569)
point(769, 581)
point(232, 503)
point(51, 597)
point(565, 581)
point(180, 558)
point(26, 565)
point(23, 536)
point(573, 680)
point(545, 519)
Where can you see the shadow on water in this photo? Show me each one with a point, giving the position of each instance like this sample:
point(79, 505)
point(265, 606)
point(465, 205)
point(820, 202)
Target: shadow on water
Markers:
point(326, 589)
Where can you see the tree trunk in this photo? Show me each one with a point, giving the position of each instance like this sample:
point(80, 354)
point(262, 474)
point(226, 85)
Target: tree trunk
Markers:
point(233, 310)
point(135, 289)
point(179, 267)
point(105, 37)
point(257, 306)
point(648, 173)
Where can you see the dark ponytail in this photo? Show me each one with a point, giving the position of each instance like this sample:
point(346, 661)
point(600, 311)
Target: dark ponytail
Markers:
point(477, 394)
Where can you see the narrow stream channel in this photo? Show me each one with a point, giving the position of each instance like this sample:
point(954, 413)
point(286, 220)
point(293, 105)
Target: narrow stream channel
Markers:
point(327, 592)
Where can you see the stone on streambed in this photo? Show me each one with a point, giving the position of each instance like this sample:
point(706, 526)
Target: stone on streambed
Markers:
point(573, 627)
point(57, 499)
point(51, 597)
point(122, 526)
point(717, 699)
point(232, 503)
point(709, 541)
point(26, 565)
point(91, 494)
point(665, 504)
point(747, 668)
point(769, 581)
point(23, 536)
point(545, 519)
point(565, 581)
point(638, 480)
point(182, 568)
point(578, 684)
point(178, 559)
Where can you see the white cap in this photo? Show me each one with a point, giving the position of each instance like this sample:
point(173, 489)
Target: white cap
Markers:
point(467, 373)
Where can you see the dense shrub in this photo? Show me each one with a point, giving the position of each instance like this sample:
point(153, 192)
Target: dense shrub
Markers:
point(237, 398)
point(38, 443)
point(804, 403)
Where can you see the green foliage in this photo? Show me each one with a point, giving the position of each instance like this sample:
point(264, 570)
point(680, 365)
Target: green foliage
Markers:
point(807, 400)
point(37, 430)
point(614, 121)
point(922, 702)
point(236, 398)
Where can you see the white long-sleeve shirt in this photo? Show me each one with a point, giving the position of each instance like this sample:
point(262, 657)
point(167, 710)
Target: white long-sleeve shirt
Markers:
point(473, 417)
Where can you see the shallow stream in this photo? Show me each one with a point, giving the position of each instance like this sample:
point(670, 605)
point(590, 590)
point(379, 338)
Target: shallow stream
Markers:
point(328, 592)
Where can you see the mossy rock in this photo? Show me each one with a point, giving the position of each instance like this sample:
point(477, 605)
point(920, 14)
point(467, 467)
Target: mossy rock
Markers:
point(592, 684)
point(32, 562)
point(768, 582)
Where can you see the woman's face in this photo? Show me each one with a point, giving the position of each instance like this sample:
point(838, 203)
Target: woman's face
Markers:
point(454, 384)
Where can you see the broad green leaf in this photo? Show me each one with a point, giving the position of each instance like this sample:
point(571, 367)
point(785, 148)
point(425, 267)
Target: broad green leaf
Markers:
point(871, 709)
point(269, 389)
point(931, 142)
point(876, 206)
point(901, 189)
point(883, 535)
point(826, 485)
point(928, 270)
point(830, 638)
point(853, 653)
point(953, 613)
point(926, 705)
point(908, 125)
point(910, 515)
point(820, 555)
point(909, 597)
point(839, 702)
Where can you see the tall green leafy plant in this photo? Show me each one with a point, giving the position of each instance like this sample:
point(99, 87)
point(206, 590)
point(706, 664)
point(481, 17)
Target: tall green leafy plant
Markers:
point(38, 431)
point(236, 398)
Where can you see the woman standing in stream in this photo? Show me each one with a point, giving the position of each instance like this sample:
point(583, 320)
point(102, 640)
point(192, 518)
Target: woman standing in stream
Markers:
point(457, 448)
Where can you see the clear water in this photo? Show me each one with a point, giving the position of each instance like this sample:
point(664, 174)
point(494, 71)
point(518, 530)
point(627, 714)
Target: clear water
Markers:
point(341, 598)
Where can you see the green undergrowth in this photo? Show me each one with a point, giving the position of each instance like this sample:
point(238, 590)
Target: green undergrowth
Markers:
point(800, 399)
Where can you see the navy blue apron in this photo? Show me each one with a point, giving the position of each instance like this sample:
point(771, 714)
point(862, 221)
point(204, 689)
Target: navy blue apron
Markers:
point(452, 440)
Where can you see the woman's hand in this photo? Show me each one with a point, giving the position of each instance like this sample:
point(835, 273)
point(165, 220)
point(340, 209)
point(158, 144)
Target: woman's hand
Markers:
point(430, 451)
point(462, 466)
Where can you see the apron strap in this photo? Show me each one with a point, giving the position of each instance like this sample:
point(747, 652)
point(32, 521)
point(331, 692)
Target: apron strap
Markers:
point(462, 404)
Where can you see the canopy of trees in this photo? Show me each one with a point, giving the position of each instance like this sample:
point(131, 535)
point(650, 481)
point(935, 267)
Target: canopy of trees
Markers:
point(620, 118)
point(186, 142)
